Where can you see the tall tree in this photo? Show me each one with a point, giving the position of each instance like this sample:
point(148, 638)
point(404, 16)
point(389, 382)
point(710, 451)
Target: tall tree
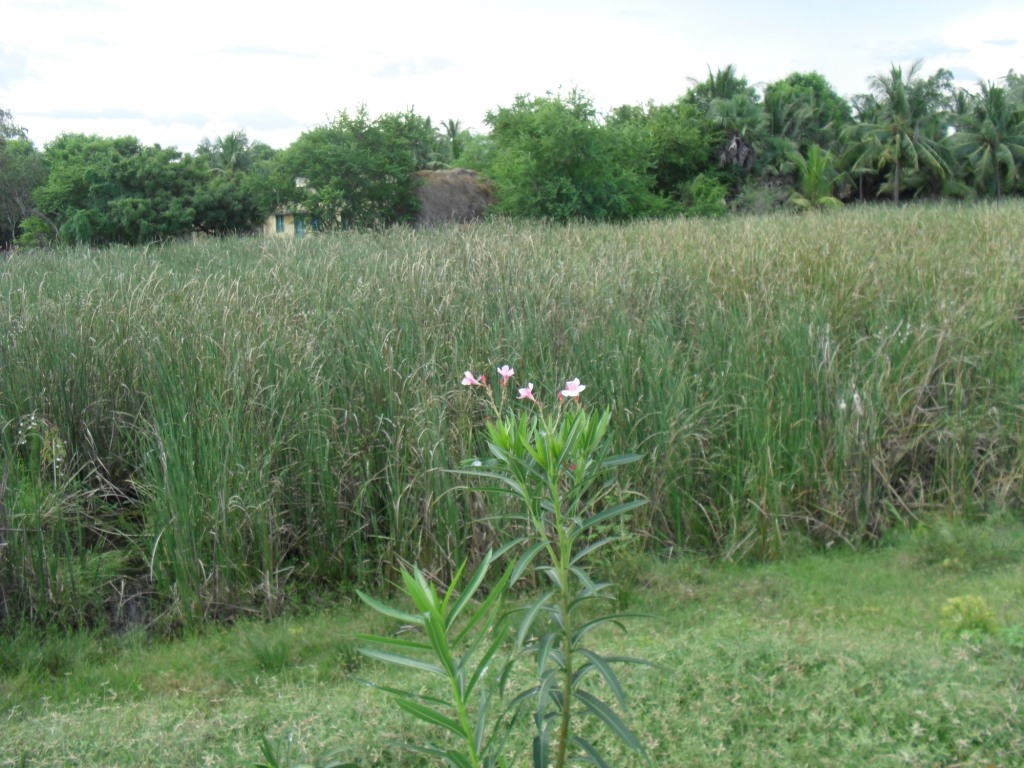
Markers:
point(721, 84)
point(116, 190)
point(359, 170)
point(683, 142)
point(553, 158)
point(898, 134)
point(992, 141)
point(733, 107)
point(232, 152)
point(21, 172)
point(241, 184)
point(805, 109)
point(742, 121)
point(455, 137)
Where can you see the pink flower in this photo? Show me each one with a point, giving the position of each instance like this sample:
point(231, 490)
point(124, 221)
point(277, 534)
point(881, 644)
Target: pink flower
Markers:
point(506, 373)
point(526, 393)
point(472, 381)
point(572, 388)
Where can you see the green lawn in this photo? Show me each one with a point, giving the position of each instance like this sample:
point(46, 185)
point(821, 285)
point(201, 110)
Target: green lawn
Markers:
point(829, 659)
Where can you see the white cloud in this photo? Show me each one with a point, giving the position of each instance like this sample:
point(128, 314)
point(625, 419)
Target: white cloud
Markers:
point(174, 73)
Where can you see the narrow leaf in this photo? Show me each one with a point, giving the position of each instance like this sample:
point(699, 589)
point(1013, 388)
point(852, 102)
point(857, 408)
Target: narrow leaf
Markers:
point(606, 715)
point(598, 663)
point(526, 624)
point(395, 642)
point(387, 610)
point(612, 512)
point(403, 661)
point(432, 716)
point(592, 753)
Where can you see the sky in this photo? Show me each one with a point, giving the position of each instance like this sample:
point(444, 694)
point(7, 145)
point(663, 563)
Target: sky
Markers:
point(174, 73)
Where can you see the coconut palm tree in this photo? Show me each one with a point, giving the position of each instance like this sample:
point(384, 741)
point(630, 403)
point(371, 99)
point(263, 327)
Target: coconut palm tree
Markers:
point(894, 139)
point(722, 84)
point(454, 134)
point(817, 179)
point(233, 152)
point(993, 141)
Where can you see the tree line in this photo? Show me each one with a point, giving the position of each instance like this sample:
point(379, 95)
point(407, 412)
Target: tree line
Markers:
point(724, 146)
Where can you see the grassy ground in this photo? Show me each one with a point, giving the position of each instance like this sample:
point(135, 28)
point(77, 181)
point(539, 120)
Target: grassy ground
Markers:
point(826, 659)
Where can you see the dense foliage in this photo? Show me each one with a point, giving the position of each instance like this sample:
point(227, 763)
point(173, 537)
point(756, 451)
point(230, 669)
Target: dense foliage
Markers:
point(723, 145)
point(192, 430)
point(358, 171)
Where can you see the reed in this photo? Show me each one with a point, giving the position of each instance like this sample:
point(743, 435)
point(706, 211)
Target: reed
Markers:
point(250, 421)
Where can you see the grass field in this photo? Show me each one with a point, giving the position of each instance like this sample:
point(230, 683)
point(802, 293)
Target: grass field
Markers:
point(198, 438)
point(827, 659)
point(214, 430)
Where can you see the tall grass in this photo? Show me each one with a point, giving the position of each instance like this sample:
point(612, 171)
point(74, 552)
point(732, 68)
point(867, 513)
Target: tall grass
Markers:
point(252, 419)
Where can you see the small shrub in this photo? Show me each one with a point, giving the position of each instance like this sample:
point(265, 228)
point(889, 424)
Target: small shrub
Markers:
point(270, 653)
point(969, 613)
point(704, 196)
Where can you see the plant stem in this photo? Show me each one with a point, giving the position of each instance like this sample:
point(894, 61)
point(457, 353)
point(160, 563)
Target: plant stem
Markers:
point(563, 729)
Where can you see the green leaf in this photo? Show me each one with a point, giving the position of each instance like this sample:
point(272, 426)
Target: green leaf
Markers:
point(457, 759)
point(483, 611)
point(606, 715)
point(620, 460)
point(592, 548)
point(395, 642)
point(526, 624)
point(439, 643)
point(399, 693)
point(544, 648)
point(431, 716)
point(387, 610)
point(615, 619)
point(485, 660)
point(589, 748)
point(404, 661)
point(469, 590)
point(616, 511)
point(600, 664)
point(450, 592)
point(525, 559)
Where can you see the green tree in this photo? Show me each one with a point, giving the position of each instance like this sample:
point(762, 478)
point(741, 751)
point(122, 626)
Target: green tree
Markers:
point(455, 138)
point(721, 85)
point(116, 190)
point(992, 141)
point(742, 121)
point(552, 158)
point(899, 133)
point(359, 170)
point(21, 172)
point(817, 179)
point(805, 109)
point(242, 184)
point(232, 152)
point(683, 143)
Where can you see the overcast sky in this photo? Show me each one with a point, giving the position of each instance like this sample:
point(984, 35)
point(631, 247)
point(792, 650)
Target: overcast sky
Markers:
point(173, 73)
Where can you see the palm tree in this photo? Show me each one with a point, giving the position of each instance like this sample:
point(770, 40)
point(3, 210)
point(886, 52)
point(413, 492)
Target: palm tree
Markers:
point(453, 133)
point(993, 142)
point(233, 152)
point(817, 179)
point(894, 138)
point(743, 122)
point(723, 84)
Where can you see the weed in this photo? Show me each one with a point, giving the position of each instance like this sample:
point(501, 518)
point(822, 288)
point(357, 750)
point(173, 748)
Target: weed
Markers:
point(968, 614)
